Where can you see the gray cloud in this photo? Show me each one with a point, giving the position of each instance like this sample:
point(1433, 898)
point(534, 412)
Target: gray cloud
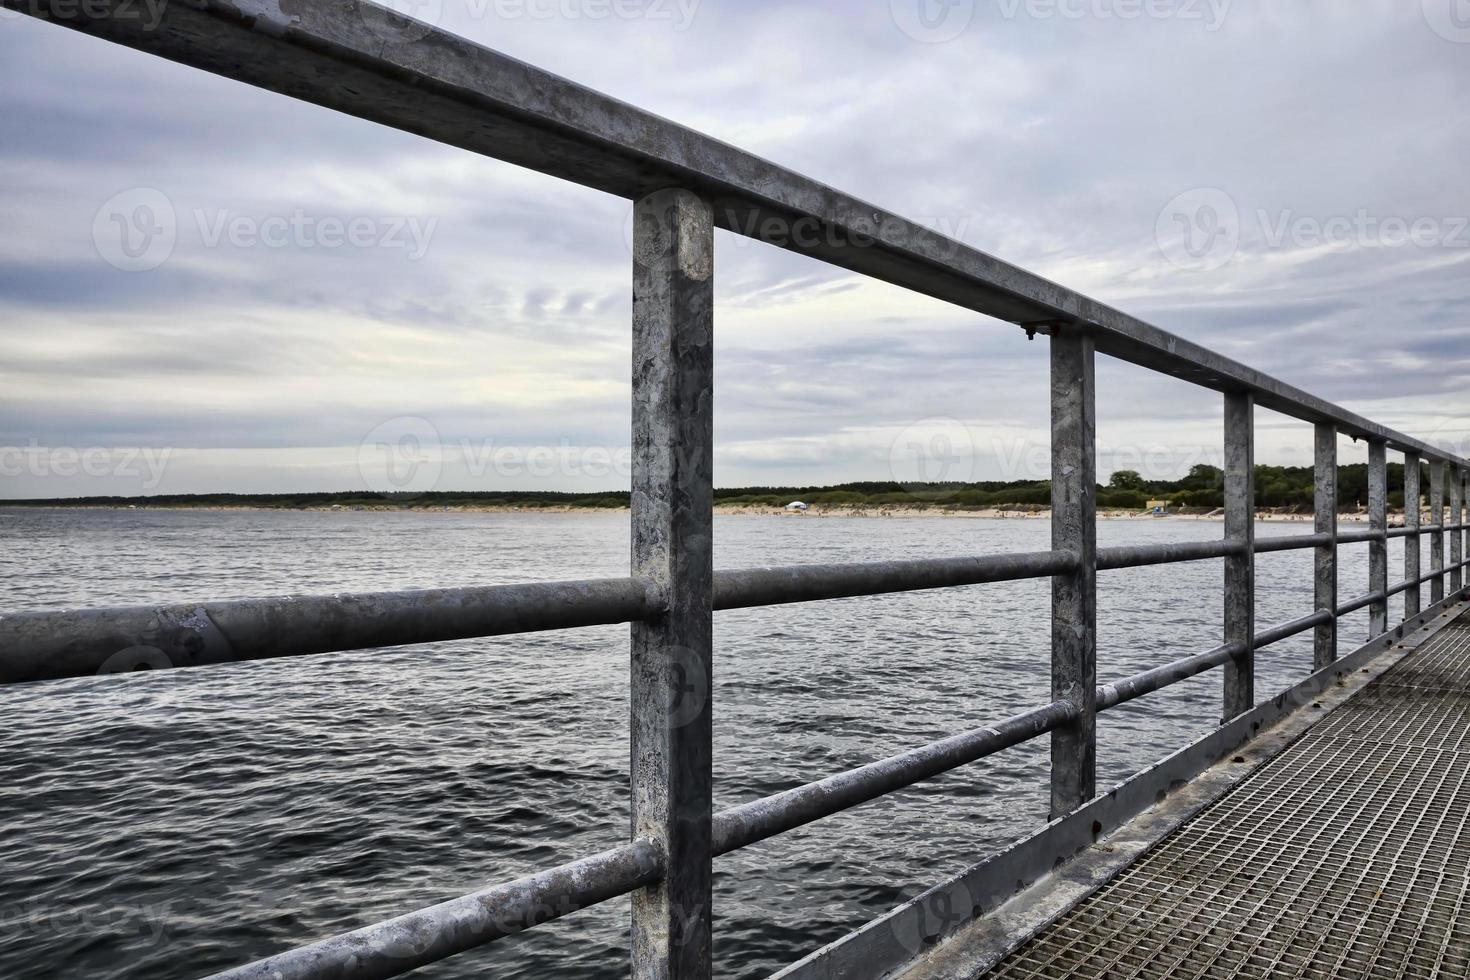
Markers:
point(1052, 141)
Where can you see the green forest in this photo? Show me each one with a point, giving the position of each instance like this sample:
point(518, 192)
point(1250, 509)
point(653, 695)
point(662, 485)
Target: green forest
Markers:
point(1203, 488)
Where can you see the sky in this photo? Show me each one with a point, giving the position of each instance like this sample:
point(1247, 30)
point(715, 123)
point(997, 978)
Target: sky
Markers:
point(207, 287)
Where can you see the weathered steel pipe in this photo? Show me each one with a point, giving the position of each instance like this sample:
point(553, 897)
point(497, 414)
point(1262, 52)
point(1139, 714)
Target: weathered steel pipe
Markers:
point(1415, 583)
point(1295, 542)
point(1137, 556)
point(77, 643)
point(1278, 633)
point(811, 583)
point(397, 946)
point(1361, 602)
point(755, 821)
point(1131, 688)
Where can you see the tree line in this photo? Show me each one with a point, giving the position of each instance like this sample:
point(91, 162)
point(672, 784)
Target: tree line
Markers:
point(1202, 487)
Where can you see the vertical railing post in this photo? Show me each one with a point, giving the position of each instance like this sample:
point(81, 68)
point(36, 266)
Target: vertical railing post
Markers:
point(1464, 513)
point(1074, 596)
point(1436, 537)
point(1324, 647)
point(1240, 567)
point(1378, 547)
point(1411, 543)
point(1457, 538)
point(673, 501)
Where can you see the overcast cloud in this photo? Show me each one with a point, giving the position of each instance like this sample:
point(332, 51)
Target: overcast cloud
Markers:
point(330, 284)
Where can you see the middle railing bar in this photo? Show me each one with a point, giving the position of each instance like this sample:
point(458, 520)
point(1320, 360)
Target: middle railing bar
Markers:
point(1361, 602)
point(747, 588)
point(46, 645)
point(1408, 584)
point(1137, 556)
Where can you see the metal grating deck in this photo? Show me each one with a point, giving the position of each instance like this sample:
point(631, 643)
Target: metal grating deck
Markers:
point(1345, 857)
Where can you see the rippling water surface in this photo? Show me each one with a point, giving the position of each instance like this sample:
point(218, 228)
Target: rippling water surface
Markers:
point(163, 826)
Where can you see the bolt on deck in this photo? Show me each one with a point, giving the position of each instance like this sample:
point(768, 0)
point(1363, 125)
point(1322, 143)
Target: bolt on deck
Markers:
point(1344, 857)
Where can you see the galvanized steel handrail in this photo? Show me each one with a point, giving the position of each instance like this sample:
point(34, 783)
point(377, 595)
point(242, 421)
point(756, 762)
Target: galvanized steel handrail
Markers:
point(362, 59)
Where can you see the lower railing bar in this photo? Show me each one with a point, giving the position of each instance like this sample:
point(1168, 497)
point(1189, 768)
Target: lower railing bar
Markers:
point(755, 821)
point(397, 946)
point(811, 583)
point(1137, 556)
point(1130, 688)
point(1412, 583)
point(1278, 633)
point(79, 643)
point(1361, 602)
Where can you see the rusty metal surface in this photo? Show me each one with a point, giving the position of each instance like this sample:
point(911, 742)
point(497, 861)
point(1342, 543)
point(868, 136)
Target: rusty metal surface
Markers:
point(1346, 857)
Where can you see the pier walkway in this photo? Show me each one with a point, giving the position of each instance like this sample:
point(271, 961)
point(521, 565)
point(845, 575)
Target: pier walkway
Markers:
point(1345, 856)
point(1316, 832)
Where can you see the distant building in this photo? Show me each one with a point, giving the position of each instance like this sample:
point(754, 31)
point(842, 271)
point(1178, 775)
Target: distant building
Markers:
point(797, 507)
point(1159, 507)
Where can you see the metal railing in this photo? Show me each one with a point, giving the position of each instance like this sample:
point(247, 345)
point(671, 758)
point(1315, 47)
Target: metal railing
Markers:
point(362, 59)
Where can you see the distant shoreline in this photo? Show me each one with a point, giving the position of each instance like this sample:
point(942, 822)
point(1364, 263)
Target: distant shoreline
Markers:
point(1023, 513)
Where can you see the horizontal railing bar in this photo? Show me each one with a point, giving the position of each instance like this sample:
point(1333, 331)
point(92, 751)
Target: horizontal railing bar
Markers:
point(1361, 602)
point(1137, 556)
point(811, 583)
point(46, 645)
point(1426, 578)
point(1278, 633)
point(398, 946)
point(1121, 692)
point(748, 823)
point(364, 60)
point(1294, 542)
